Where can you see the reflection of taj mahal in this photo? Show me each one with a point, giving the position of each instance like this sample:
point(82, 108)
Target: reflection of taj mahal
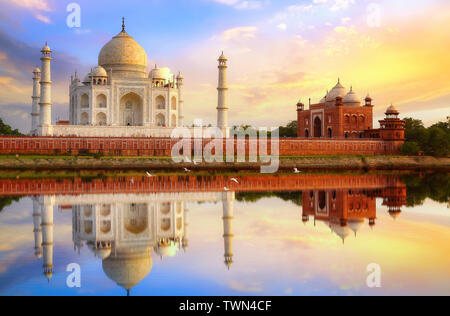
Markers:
point(122, 230)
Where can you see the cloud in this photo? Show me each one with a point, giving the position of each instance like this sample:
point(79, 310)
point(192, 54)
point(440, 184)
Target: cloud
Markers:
point(242, 5)
point(240, 33)
point(39, 8)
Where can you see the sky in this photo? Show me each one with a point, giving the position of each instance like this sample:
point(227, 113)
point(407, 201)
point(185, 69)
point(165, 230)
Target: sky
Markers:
point(279, 52)
point(274, 254)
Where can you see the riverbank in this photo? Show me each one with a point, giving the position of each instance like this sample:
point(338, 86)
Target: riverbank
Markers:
point(50, 163)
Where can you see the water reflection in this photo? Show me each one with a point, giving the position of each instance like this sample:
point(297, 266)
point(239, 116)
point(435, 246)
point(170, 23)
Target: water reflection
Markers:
point(125, 222)
point(122, 230)
point(345, 211)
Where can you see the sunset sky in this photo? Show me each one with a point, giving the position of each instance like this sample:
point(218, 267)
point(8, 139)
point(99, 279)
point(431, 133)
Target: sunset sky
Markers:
point(279, 52)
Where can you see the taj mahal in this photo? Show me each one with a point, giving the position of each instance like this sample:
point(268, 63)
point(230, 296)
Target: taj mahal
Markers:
point(118, 98)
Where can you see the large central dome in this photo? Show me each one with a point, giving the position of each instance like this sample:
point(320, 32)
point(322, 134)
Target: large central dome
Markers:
point(124, 56)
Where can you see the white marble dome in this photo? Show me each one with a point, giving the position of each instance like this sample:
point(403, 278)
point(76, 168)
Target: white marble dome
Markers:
point(99, 71)
point(124, 56)
point(337, 91)
point(352, 99)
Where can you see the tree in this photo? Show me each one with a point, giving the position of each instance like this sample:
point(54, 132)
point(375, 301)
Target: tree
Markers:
point(6, 130)
point(290, 130)
point(410, 148)
point(434, 141)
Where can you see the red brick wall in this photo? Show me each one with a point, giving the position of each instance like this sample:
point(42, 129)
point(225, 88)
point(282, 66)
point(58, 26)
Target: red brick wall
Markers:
point(163, 146)
point(168, 184)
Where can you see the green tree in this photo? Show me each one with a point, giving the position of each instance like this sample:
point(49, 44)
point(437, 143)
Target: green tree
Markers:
point(6, 130)
point(410, 149)
point(289, 130)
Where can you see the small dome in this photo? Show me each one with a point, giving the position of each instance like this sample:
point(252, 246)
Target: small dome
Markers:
point(341, 231)
point(222, 57)
point(103, 253)
point(394, 214)
point(99, 71)
point(355, 224)
point(167, 250)
point(161, 74)
point(338, 90)
point(352, 99)
point(46, 49)
point(36, 70)
point(87, 79)
point(392, 110)
point(180, 76)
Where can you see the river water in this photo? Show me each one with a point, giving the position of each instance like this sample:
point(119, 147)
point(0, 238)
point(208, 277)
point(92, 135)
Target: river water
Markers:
point(307, 234)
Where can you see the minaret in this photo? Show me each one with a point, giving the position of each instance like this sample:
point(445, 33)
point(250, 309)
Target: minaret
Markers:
point(228, 216)
point(37, 228)
point(47, 234)
point(35, 98)
point(46, 89)
point(222, 109)
point(185, 242)
point(180, 100)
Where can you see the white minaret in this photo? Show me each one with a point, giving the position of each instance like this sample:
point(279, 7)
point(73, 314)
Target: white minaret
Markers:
point(180, 100)
point(46, 90)
point(37, 228)
point(222, 109)
point(228, 216)
point(47, 239)
point(35, 105)
point(185, 242)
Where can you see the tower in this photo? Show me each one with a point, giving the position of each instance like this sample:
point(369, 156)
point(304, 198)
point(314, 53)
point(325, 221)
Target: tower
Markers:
point(228, 216)
point(392, 127)
point(222, 109)
point(180, 100)
point(46, 90)
point(35, 102)
point(47, 238)
point(185, 242)
point(37, 228)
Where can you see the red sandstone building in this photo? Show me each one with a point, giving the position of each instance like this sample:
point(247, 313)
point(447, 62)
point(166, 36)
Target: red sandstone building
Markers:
point(340, 114)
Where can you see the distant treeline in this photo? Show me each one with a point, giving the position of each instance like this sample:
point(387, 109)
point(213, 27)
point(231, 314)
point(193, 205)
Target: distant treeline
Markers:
point(433, 186)
point(431, 141)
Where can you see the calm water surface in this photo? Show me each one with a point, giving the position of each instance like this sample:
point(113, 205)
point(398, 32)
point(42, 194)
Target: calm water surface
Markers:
point(200, 235)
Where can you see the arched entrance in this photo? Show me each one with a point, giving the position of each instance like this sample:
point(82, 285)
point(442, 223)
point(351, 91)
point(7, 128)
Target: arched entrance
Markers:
point(330, 133)
point(131, 110)
point(317, 127)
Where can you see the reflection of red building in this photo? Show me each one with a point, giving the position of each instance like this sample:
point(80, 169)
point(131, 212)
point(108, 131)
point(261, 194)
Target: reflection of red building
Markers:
point(345, 210)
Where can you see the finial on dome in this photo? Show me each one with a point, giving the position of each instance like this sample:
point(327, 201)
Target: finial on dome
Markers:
point(123, 24)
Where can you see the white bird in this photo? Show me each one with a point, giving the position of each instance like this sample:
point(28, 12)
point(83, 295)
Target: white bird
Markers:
point(195, 163)
point(187, 170)
point(149, 175)
point(132, 181)
point(226, 189)
point(234, 180)
point(187, 159)
point(296, 170)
